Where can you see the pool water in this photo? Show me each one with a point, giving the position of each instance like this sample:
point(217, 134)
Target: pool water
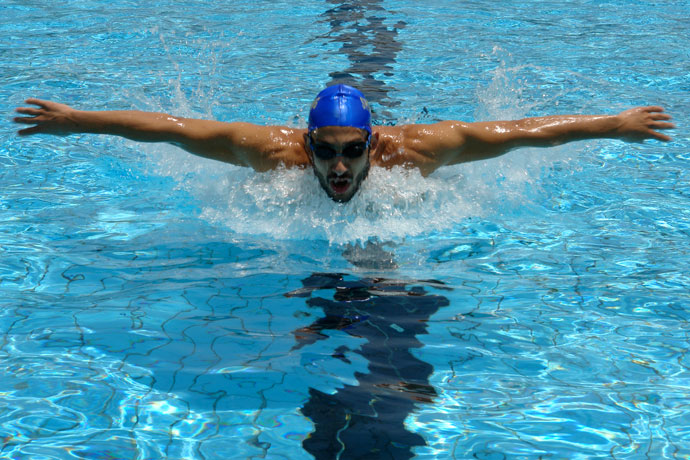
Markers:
point(157, 305)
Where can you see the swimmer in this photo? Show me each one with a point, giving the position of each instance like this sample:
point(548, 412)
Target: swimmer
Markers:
point(340, 144)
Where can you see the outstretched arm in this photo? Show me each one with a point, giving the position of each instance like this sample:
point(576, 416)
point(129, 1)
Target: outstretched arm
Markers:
point(242, 144)
point(451, 142)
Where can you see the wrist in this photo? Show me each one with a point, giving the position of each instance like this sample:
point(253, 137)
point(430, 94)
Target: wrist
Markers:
point(617, 125)
point(80, 121)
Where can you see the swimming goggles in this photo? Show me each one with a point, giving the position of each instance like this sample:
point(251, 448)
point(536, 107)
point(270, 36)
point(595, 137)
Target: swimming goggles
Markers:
point(327, 152)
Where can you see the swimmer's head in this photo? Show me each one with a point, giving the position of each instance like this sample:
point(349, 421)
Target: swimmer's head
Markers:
point(339, 140)
point(340, 105)
point(340, 159)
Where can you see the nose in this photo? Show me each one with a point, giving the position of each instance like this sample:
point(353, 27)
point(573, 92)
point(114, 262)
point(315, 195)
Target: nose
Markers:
point(339, 168)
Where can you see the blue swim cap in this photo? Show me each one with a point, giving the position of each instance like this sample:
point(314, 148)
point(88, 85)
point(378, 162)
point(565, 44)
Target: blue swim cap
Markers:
point(340, 105)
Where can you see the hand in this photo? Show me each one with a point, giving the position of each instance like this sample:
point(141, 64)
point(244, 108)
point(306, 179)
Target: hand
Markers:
point(642, 123)
point(49, 118)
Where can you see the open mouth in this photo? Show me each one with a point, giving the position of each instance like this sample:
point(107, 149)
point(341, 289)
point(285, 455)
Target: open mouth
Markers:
point(340, 185)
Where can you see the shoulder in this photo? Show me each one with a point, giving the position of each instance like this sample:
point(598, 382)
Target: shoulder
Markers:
point(395, 146)
point(423, 146)
point(275, 146)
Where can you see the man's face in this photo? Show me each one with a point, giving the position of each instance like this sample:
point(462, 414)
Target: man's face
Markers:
point(340, 158)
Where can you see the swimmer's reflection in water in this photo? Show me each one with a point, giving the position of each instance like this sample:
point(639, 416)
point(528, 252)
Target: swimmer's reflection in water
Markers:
point(367, 420)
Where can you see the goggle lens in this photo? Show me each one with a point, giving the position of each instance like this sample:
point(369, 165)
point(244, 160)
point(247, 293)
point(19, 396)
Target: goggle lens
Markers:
point(327, 152)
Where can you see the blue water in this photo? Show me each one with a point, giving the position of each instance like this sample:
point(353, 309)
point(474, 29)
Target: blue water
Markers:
point(156, 305)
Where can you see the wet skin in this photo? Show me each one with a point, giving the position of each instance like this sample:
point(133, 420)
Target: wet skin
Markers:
point(340, 176)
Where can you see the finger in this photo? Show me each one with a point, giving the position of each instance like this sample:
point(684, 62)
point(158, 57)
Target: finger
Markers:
point(659, 136)
point(662, 125)
point(28, 111)
point(660, 116)
point(652, 108)
point(25, 120)
point(29, 131)
point(38, 102)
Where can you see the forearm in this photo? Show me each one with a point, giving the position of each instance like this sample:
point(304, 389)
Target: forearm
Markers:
point(60, 119)
point(547, 131)
point(206, 138)
point(134, 125)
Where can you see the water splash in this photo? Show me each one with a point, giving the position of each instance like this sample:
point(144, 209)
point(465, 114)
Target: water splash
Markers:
point(391, 205)
point(289, 204)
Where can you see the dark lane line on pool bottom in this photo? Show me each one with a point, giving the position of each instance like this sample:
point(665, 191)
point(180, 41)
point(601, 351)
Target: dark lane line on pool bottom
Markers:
point(367, 420)
point(370, 45)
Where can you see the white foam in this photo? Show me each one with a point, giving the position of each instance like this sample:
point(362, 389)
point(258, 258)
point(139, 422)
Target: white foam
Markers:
point(289, 204)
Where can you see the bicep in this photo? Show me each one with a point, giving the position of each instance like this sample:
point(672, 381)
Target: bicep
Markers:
point(484, 140)
point(454, 142)
point(239, 143)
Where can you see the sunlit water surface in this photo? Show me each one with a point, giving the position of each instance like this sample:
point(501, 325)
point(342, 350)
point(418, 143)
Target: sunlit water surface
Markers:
point(157, 305)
